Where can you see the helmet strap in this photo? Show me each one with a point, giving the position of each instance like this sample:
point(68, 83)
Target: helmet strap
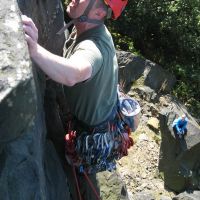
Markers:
point(82, 18)
point(109, 13)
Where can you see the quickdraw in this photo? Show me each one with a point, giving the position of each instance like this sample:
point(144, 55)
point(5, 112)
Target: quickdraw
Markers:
point(98, 151)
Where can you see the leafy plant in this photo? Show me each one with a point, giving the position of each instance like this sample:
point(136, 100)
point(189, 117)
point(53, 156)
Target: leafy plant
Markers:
point(168, 33)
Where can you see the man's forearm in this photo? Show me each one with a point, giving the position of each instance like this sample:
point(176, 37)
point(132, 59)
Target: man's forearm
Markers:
point(65, 71)
point(56, 67)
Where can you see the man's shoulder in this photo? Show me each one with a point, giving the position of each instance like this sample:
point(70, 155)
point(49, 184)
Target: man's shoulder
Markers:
point(88, 43)
point(89, 46)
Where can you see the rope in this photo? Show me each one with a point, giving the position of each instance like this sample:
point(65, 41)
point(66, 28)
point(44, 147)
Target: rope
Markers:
point(89, 182)
point(77, 185)
point(92, 186)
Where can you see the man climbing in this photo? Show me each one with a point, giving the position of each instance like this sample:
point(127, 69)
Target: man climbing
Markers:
point(180, 126)
point(89, 73)
point(89, 67)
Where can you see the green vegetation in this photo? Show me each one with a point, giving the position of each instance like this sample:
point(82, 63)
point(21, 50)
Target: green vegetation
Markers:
point(168, 33)
point(157, 138)
point(139, 82)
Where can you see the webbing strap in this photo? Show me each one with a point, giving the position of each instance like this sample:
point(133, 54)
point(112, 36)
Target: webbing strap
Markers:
point(82, 18)
point(61, 31)
point(87, 10)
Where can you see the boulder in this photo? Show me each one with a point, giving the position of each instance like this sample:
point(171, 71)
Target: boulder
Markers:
point(192, 195)
point(145, 93)
point(143, 196)
point(153, 124)
point(179, 158)
point(111, 186)
point(133, 67)
point(162, 197)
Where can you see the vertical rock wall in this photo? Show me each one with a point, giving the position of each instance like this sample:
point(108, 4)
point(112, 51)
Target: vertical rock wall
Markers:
point(29, 166)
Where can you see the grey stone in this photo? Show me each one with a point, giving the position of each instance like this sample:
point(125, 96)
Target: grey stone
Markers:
point(111, 186)
point(193, 195)
point(153, 123)
point(143, 196)
point(146, 93)
point(15, 68)
point(29, 165)
point(179, 157)
point(162, 197)
point(133, 67)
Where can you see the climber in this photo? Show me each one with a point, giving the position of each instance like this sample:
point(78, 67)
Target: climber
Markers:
point(89, 69)
point(89, 73)
point(180, 126)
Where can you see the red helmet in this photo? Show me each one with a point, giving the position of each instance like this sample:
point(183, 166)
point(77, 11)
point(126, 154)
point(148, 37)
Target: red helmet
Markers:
point(117, 7)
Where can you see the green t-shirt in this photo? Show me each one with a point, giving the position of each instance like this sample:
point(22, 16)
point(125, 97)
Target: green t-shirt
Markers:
point(92, 101)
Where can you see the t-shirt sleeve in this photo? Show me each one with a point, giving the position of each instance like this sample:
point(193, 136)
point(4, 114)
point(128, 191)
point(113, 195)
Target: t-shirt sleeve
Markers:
point(88, 50)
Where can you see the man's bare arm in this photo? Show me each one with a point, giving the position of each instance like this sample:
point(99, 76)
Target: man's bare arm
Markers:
point(62, 70)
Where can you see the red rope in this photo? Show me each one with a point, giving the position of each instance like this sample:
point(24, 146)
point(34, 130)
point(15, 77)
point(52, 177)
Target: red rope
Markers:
point(69, 138)
point(77, 186)
point(92, 186)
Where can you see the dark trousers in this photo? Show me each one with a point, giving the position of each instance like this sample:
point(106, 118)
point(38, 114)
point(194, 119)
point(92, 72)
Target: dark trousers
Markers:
point(176, 132)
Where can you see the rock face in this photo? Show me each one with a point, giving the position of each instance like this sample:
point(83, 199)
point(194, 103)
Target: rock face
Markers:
point(180, 159)
point(29, 166)
point(16, 74)
point(188, 196)
point(153, 123)
point(133, 67)
point(111, 186)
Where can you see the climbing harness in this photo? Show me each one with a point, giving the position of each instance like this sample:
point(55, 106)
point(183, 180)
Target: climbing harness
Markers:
point(93, 149)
